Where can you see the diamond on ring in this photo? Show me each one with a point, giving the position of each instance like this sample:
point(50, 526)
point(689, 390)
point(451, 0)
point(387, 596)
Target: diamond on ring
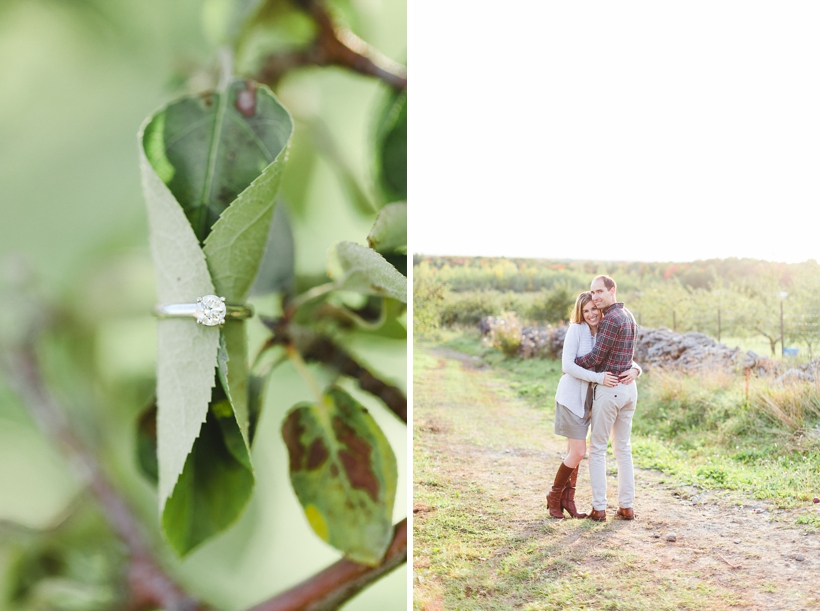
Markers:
point(210, 310)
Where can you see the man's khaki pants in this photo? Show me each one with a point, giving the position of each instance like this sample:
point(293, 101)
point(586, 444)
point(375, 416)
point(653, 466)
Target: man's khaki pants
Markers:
point(612, 411)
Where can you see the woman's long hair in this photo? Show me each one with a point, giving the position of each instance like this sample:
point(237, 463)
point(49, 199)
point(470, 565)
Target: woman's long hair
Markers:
point(577, 312)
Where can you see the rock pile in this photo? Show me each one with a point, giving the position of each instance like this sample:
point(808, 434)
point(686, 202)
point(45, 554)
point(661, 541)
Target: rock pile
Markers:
point(540, 341)
point(664, 348)
point(809, 372)
point(535, 341)
point(485, 325)
point(782, 371)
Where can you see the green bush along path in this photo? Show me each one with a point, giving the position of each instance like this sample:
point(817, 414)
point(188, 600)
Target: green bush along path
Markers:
point(484, 453)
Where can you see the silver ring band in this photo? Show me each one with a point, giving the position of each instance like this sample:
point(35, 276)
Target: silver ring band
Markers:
point(209, 310)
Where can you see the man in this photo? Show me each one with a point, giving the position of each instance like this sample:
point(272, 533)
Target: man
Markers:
point(612, 407)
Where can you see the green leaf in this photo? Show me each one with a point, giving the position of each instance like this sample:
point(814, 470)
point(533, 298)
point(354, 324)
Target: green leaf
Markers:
point(388, 236)
point(392, 328)
point(399, 261)
point(215, 484)
point(391, 147)
point(147, 443)
point(344, 473)
point(210, 147)
point(186, 352)
point(211, 166)
point(256, 396)
point(357, 268)
point(389, 232)
point(234, 371)
point(326, 145)
point(276, 271)
point(220, 465)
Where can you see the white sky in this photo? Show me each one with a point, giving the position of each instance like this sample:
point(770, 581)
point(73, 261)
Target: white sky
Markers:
point(615, 130)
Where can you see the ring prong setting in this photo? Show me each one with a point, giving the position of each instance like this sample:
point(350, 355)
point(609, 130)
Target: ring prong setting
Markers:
point(210, 310)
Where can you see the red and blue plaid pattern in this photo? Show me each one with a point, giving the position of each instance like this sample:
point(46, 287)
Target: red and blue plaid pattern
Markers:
point(614, 344)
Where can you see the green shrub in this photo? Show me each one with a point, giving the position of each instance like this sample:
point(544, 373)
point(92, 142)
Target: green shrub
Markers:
point(715, 474)
point(552, 307)
point(505, 334)
point(467, 309)
point(428, 296)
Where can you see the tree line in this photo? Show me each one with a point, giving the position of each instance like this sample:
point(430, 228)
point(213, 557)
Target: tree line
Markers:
point(724, 298)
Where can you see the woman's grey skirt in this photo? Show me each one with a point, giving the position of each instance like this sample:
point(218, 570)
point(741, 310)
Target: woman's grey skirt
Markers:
point(569, 425)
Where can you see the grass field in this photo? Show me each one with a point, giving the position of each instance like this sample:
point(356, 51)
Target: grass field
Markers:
point(484, 453)
point(699, 429)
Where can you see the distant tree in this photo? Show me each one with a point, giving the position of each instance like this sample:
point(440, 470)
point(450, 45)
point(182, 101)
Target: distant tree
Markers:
point(554, 307)
point(801, 312)
point(428, 295)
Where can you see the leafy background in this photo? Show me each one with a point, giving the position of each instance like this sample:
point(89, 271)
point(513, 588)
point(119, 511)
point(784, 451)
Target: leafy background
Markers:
point(79, 77)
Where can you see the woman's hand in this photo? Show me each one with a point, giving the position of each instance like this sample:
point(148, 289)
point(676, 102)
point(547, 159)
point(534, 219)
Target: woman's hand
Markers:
point(627, 377)
point(610, 379)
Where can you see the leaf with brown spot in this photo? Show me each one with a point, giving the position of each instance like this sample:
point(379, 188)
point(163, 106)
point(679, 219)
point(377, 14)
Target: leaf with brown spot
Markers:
point(344, 473)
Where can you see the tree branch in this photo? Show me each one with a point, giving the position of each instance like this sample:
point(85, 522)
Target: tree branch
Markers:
point(149, 585)
point(340, 581)
point(322, 349)
point(334, 46)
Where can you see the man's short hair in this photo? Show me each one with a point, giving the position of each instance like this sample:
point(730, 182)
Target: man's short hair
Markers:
point(609, 283)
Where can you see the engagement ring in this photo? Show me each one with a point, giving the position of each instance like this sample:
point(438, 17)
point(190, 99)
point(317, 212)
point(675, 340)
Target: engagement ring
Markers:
point(209, 310)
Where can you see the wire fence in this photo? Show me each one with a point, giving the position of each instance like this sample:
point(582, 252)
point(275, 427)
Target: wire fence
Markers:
point(779, 333)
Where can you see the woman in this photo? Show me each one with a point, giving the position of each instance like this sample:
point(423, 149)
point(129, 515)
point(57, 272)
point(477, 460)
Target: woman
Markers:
point(571, 407)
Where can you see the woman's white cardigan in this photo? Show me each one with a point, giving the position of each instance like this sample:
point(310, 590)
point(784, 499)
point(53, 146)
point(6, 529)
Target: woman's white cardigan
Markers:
point(572, 388)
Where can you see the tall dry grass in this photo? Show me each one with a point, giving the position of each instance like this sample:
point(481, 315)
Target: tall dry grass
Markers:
point(723, 408)
point(791, 404)
point(691, 389)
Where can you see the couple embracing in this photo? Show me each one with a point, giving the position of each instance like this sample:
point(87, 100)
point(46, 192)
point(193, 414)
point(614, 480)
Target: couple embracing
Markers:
point(597, 391)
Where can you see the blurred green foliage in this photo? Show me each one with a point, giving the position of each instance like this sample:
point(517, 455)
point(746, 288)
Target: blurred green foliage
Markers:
point(80, 76)
point(524, 275)
point(737, 298)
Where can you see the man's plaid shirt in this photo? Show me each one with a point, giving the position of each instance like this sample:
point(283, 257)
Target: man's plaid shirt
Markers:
point(614, 342)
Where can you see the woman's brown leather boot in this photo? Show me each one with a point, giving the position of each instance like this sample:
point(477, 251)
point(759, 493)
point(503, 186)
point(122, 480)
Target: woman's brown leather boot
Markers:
point(568, 497)
point(554, 496)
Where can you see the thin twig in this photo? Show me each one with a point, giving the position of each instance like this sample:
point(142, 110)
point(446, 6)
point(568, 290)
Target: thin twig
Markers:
point(322, 349)
point(149, 585)
point(334, 46)
point(734, 566)
point(340, 581)
point(316, 291)
point(299, 364)
point(325, 351)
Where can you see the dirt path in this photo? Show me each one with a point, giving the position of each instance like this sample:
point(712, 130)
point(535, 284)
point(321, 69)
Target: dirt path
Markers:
point(483, 462)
